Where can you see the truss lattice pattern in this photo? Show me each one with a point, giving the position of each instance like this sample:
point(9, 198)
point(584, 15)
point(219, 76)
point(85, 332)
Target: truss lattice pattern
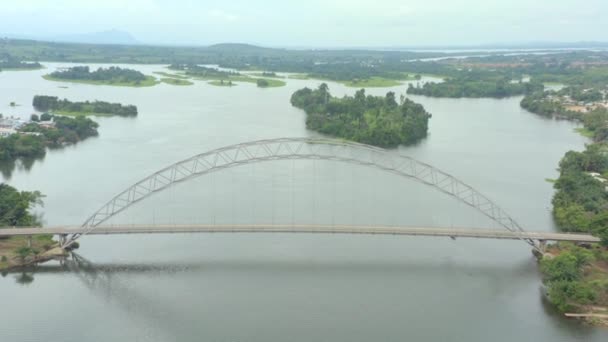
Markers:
point(301, 148)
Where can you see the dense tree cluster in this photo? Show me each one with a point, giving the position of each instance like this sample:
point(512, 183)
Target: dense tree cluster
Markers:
point(17, 146)
point(15, 207)
point(52, 103)
point(380, 121)
point(475, 84)
point(581, 201)
point(111, 74)
point(569, 286)
point(32, 140)
point(9, 62)
point(540, 103)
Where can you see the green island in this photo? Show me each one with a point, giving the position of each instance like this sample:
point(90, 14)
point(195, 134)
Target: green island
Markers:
point(374, 120)
point(113, 76)
point(267, 74)
point(475, 84)
point(222, 77)
point(268, 83)
point(30, 141)
point(176, 81)
point(65, 107)
point(15, 209)
point(221, 83)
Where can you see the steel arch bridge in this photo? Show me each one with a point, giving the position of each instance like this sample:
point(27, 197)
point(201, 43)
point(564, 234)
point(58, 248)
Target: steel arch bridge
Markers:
point(301, 149)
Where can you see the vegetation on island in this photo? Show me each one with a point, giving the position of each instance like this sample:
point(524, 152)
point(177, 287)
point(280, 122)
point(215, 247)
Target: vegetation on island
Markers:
point(267, 74)
point(372, 82)
point(65, 107)
point(176, 81)
point(30, 141)
point(219, 77)
point(204, 73)
point(475, 84)
point(114, 76)
point(374, 120)
point(221, 83)
point(268, 83)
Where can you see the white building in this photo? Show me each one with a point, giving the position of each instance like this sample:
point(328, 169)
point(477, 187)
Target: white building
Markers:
point(5, 131)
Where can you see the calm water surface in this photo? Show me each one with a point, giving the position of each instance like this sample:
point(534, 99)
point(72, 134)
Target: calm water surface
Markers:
point(285, 287)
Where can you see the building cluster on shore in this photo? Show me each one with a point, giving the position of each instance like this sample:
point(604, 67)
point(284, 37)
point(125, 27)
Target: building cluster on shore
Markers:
point(581, 106)
point(11, 125)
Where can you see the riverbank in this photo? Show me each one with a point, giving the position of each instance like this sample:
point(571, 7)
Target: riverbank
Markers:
point(23, 251)
point(576, 280)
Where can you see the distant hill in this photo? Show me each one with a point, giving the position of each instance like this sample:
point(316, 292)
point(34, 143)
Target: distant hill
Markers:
point(103, 37)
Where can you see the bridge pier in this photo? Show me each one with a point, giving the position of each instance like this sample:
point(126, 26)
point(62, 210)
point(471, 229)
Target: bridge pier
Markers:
point(542, 245)
point(540, 249)
point(62, 239)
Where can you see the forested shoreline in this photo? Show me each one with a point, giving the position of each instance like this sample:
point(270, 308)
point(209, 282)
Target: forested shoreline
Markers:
point(475, 85)
point(575, 276)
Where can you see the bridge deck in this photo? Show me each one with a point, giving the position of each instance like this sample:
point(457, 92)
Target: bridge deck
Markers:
point(321, 229)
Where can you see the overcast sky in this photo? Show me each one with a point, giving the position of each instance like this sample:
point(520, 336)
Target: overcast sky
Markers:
point(321, 23)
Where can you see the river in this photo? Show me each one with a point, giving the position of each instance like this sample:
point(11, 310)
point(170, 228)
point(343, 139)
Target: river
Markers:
point(286, 287)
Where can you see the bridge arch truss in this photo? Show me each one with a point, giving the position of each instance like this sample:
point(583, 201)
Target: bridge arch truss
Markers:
point(301, 149)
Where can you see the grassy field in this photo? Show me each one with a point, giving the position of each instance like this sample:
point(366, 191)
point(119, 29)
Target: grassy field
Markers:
point(170, 75)
point(298, 77)
point(584, 132)
point(261, 75)
point(272, 83)
point(374, 82)
point(221, 83)
point(14, 249)
point(149, 82)
point(176, 81)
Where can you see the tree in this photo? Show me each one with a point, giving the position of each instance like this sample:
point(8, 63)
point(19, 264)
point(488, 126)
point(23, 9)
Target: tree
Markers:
point(46, 117)
point(15, 206)
point(562, 267)
point(34, 117)
point(262, 83)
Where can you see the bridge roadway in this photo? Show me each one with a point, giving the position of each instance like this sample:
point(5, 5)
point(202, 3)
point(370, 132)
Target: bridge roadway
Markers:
point(320, 229)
